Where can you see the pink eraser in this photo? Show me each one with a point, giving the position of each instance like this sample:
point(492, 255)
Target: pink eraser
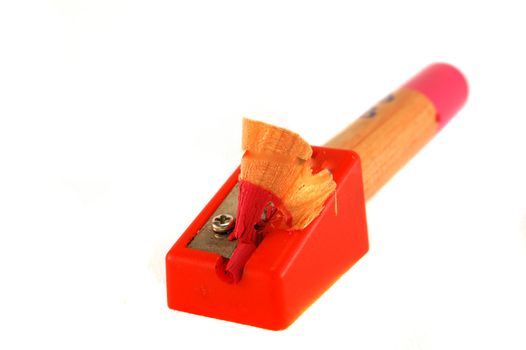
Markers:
point(446, 88)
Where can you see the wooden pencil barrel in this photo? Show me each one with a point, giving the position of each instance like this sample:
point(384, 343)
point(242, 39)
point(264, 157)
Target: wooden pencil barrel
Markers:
point(389, 135)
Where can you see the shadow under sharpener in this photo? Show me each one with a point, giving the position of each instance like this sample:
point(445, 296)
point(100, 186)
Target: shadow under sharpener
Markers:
point(289, 270)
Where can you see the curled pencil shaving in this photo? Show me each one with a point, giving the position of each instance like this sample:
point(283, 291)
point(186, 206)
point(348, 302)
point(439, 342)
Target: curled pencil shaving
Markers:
point(276, 182)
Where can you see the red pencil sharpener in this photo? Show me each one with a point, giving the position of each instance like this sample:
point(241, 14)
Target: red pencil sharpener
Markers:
point(289, 269)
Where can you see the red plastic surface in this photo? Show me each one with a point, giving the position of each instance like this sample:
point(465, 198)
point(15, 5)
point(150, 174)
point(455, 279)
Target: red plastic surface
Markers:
point(445, 86)
point(289, 270)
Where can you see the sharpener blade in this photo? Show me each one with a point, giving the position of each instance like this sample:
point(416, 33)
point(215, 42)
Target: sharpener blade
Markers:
point(207, 240)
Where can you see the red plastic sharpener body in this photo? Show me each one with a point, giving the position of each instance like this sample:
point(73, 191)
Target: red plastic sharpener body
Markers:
point(289, 270)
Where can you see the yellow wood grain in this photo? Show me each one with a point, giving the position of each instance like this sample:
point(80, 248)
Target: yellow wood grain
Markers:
point(388, 136)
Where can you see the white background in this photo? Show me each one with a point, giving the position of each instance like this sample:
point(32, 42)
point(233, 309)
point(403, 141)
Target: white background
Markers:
point(120, 119)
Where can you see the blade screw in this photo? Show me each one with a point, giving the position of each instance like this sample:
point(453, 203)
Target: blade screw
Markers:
point(222, 224)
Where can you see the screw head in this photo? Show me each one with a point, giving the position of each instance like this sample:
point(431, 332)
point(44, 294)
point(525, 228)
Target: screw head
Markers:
point(223, 223)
